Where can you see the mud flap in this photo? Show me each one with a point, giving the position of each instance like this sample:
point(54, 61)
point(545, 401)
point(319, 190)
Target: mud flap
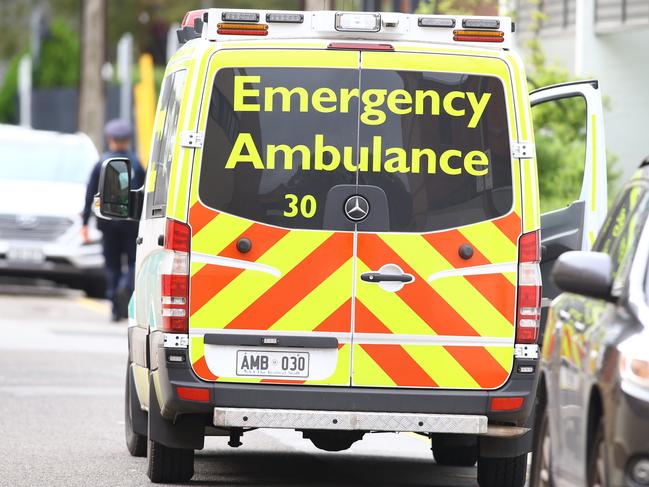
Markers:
point(186, 432)
point(139, 417)
point(495, 447)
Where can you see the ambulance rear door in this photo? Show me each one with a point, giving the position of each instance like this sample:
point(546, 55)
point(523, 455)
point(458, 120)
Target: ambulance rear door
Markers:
point(436, 262)
point(573, 223)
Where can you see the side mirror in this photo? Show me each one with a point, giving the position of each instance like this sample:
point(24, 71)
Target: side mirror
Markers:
point(587, 273)
point(115, 189)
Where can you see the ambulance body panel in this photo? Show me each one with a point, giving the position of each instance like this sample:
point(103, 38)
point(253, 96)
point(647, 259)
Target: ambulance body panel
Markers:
point(342, 229)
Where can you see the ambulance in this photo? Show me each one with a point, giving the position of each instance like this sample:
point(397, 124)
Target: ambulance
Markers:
point(340, 234)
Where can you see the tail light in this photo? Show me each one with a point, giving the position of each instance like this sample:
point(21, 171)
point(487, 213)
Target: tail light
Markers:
point(175, 278)
point(528, 309)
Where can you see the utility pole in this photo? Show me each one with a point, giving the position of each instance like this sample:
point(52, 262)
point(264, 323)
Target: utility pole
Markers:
point(92, 96)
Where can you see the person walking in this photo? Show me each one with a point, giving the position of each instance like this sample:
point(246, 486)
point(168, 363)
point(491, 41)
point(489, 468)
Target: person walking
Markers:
point(119, 237)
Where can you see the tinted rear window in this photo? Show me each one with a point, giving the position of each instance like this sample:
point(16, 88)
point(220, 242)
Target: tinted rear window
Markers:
point(278, 139)
point(454, 166)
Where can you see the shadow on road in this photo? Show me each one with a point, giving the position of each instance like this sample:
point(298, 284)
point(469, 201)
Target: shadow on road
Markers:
point(21, 286)
point(275, 469)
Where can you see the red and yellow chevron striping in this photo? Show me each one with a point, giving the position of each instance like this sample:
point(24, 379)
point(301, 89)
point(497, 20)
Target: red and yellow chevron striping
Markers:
point(306, 285)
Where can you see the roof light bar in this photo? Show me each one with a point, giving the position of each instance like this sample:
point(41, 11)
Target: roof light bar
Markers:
point(240, 17)
point(478, 36)
point(358, 22)
point(243, 29)
point(285, 18)
point(481, 23)
point(436, 22)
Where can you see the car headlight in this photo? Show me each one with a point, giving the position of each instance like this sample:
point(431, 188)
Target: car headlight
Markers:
point(634, 363)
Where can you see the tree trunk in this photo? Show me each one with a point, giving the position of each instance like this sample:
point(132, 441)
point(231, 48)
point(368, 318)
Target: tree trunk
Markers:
point(92, 101)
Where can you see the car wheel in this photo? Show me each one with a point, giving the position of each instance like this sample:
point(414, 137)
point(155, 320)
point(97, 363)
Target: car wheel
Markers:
point(597, 463)
point(169, 465)
point(135, 442)
point(541, 473)
point(455, 455)
point(502, 472)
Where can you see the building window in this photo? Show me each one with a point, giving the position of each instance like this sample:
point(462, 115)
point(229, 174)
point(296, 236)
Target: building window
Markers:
point(553, 15)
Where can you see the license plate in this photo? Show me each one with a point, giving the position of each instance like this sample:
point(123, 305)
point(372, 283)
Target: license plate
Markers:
point(25, 255)
point(272, 364)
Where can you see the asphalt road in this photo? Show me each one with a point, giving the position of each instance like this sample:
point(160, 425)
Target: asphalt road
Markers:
point(61, 415)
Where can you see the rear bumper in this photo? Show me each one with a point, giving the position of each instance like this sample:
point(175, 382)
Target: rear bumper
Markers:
point(498, 433)
point(343, 399)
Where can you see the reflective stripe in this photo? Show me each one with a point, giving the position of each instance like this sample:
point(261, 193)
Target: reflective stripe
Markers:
point(248, 287)
point(507, 267)
point(593, 198)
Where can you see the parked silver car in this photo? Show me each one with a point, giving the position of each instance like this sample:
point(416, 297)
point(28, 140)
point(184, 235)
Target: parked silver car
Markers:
point(42, 186)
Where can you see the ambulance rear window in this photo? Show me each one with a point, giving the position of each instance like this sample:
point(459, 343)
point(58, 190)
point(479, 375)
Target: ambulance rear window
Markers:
point(279, 139)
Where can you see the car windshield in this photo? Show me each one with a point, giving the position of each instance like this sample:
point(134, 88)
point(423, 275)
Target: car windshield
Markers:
point(66, 161)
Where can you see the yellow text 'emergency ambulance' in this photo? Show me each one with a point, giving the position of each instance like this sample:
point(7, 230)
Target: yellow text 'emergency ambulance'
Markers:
point(340, 235)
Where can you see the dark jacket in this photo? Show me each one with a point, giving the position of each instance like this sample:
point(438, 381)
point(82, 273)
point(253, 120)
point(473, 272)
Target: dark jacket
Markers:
point(137, 181)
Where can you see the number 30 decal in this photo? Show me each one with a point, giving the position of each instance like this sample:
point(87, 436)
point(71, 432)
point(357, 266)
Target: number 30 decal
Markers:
point(296, 206)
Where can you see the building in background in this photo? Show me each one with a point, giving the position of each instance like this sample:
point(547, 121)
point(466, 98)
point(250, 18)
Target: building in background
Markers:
point(607, 40)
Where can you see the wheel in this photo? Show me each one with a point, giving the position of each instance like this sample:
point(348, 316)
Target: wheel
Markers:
point(135, 443)
point(502, 472)
point(597, 465)
point(541, 473)
point(169, 465)
point(455, 455)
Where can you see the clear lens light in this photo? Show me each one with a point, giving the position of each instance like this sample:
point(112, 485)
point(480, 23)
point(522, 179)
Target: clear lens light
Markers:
point(240, 17)
point(358, 22)
point(529, 274)
point(174, 312)
point(285, 18)
point(634, 363)
point(436, 22)
point(481, 23)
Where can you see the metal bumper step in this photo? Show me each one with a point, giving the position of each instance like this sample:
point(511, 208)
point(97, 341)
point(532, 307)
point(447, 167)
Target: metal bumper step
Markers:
point(344, 420)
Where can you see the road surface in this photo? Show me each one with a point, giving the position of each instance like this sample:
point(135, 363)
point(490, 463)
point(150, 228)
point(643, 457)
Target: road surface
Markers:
point(61, 415)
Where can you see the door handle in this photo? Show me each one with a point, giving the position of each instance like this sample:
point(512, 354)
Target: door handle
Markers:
point(139, 240)
point(380, 277)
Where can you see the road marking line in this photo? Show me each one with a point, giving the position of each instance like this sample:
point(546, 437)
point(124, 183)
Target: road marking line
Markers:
point(103, 308)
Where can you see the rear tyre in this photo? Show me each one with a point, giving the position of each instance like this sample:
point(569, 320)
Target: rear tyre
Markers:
point(455, 456)
point(597, 463)
point(169, 465)
point(502, 472)
point(135, 443)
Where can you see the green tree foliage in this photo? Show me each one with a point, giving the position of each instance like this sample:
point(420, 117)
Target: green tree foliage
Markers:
point(9, 93)
point(58, 66)
point(59, 58)
point(446, 7)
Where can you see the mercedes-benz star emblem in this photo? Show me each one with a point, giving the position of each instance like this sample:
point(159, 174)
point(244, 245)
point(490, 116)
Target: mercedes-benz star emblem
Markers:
point(356, 208)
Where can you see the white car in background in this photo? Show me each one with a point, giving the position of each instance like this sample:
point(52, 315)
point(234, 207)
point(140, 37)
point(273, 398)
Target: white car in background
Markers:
point(43, 178)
